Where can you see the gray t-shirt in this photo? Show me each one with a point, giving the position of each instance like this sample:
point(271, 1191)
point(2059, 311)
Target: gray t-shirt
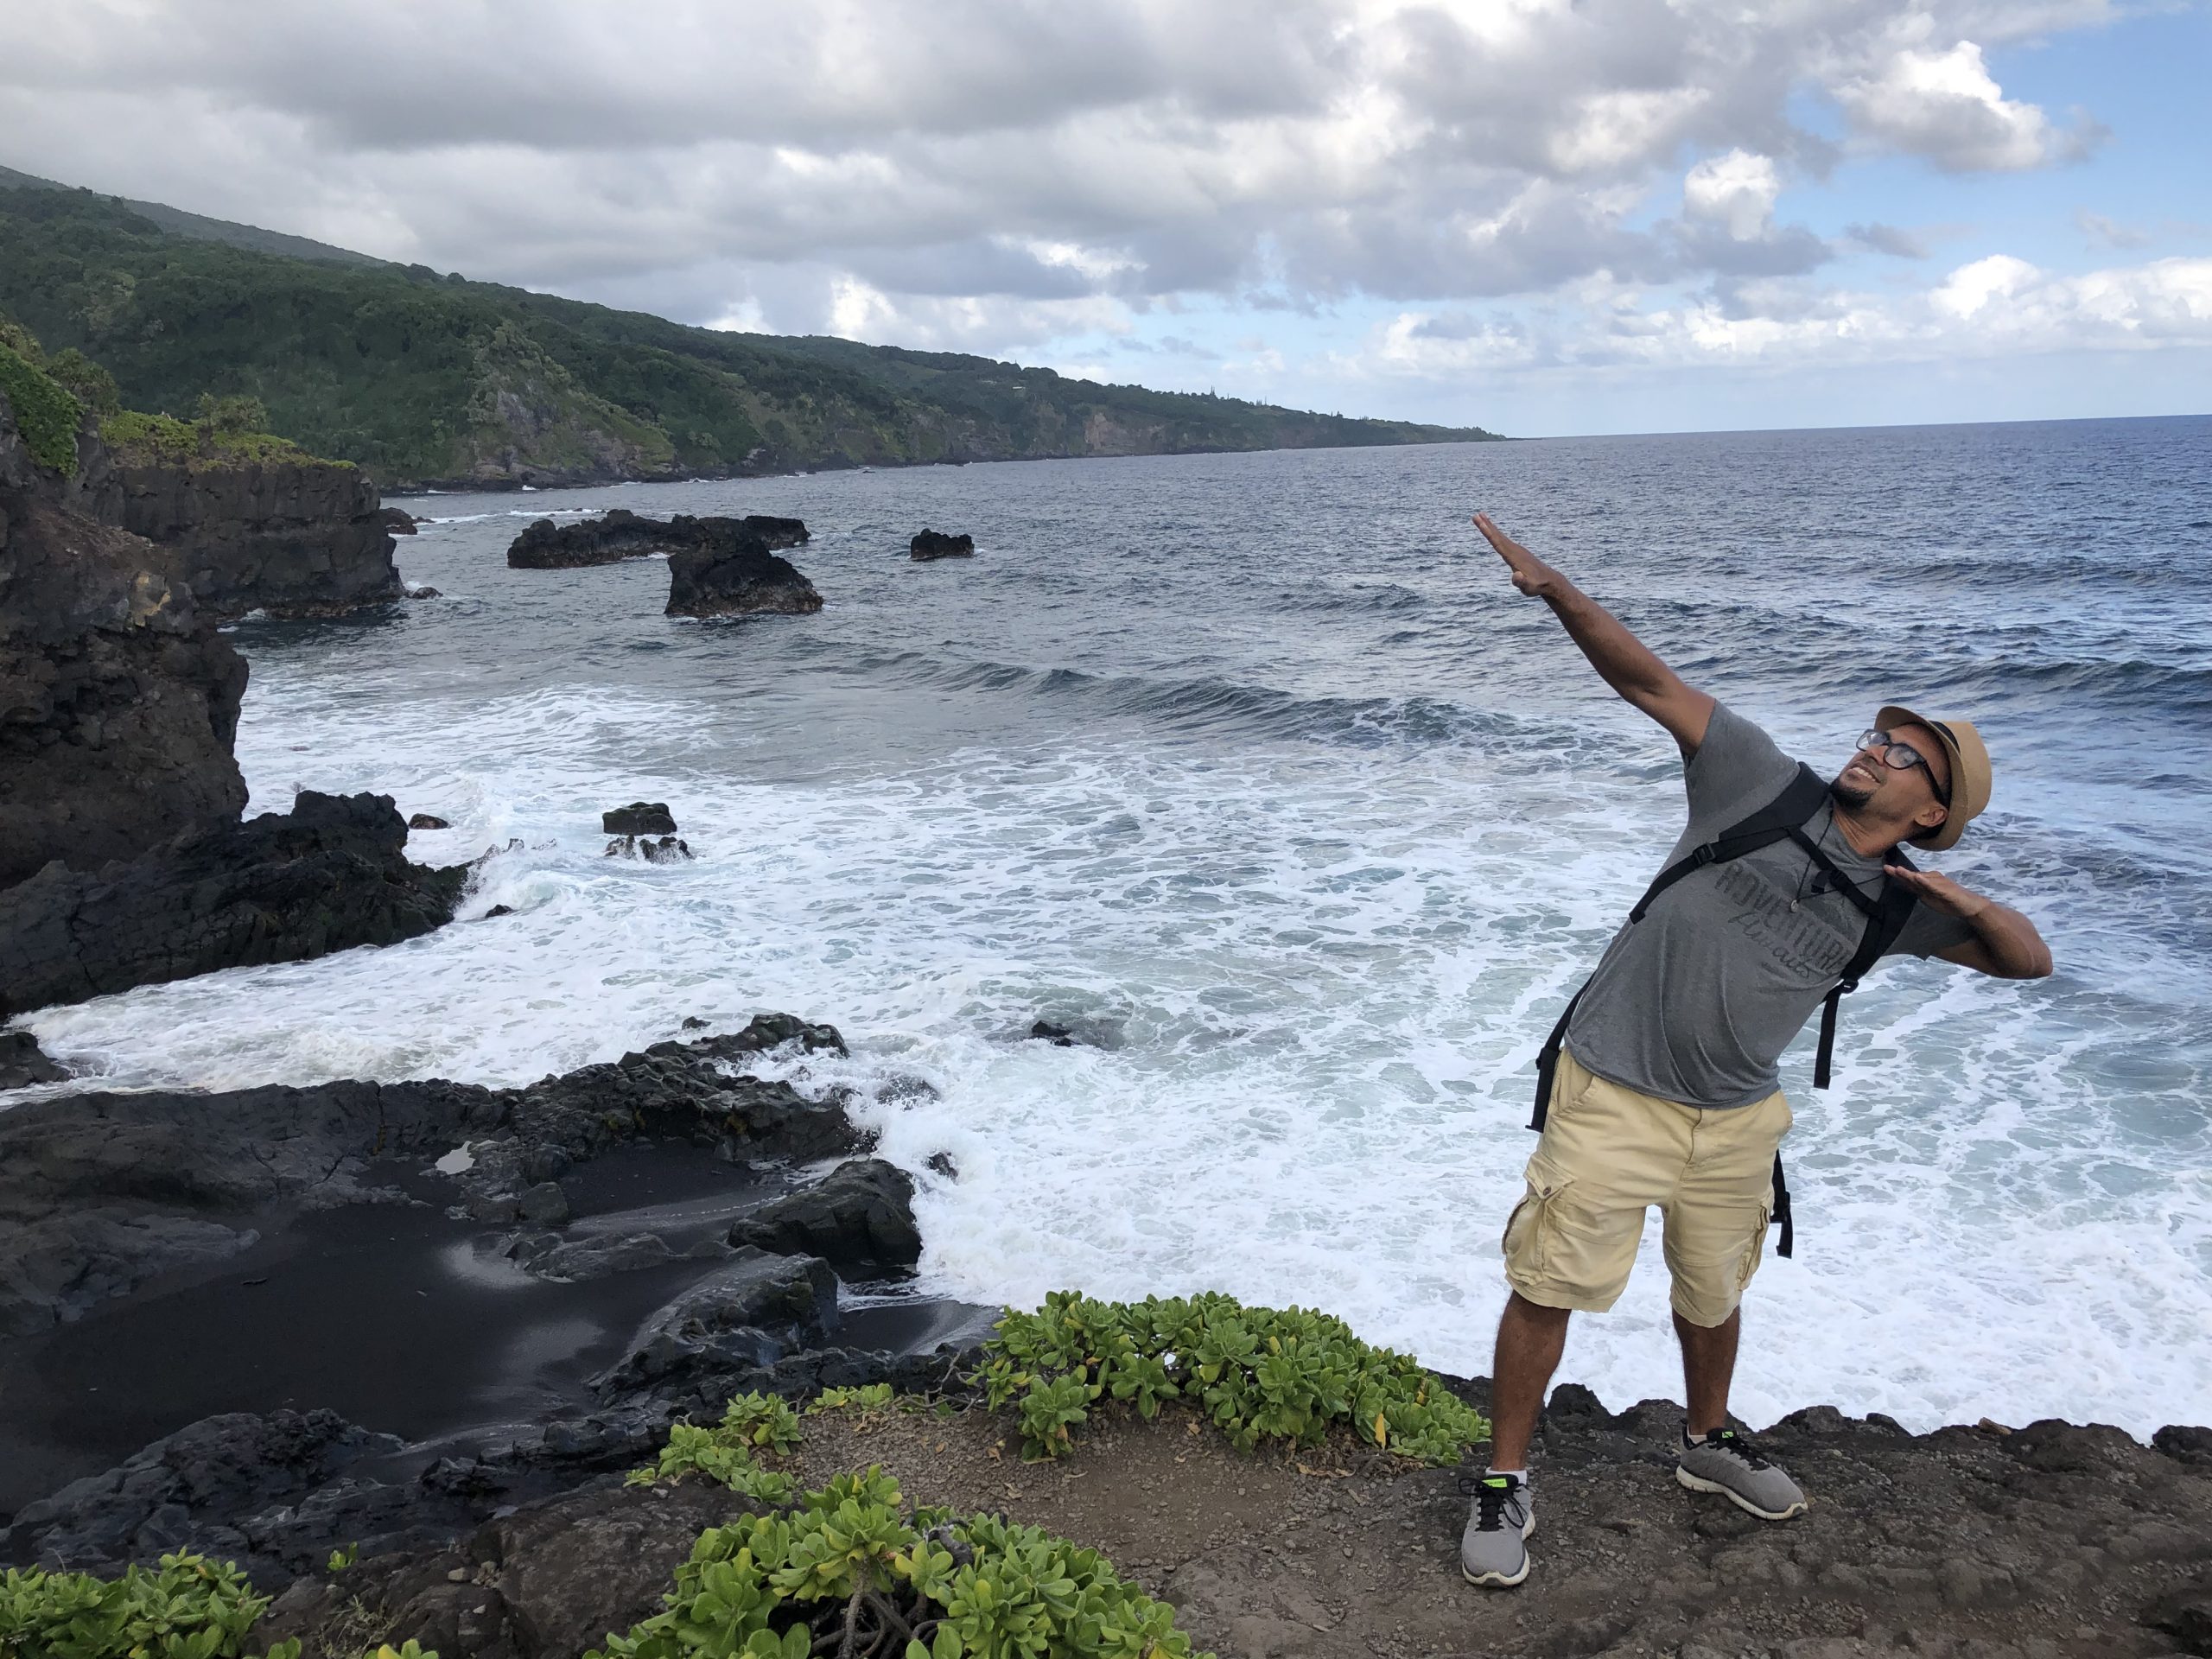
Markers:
point(1696, 1002)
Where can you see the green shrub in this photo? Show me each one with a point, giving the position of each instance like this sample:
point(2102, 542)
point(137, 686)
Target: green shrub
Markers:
point(844, 1570)
point(85, 380)
point(139, 438)
point(725, 1451)
point(232, 412)
point(1261, 1373)
point(692, 1450)
point(187, 1608)
point(759, 1419)
point(44, 413)
point(869, 1397)
point(18, 339)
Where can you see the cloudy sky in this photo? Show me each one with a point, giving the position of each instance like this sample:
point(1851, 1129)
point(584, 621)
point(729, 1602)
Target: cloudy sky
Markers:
point(1539, 215)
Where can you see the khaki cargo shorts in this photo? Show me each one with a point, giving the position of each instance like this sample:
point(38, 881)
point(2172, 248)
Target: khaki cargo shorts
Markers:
point(1607, 1153)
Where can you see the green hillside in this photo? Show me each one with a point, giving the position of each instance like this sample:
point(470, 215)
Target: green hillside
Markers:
point(179, 223)
point(430, 378)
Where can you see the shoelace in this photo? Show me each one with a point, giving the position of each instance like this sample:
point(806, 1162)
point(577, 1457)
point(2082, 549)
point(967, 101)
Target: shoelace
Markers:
point(1490, 1499)
point(1736, 1446)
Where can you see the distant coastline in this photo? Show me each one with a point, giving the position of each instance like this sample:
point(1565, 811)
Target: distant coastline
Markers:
point(432, 381)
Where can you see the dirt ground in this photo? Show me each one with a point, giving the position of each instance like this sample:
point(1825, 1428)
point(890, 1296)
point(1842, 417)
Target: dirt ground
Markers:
point(2046, 1543)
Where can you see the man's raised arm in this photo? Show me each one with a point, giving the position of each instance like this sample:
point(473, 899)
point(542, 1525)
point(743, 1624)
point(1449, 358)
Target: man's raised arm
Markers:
point(1622, 660)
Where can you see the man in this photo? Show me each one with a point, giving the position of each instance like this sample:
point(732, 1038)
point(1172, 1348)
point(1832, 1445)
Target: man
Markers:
point(1664, 1089)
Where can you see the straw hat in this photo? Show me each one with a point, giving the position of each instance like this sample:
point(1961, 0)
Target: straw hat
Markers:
point(1969, 772)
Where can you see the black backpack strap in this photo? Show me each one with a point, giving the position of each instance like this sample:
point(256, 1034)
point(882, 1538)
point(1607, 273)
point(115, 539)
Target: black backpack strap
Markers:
point(1776, 820)
point(1547, 1062)
point(1885, 922)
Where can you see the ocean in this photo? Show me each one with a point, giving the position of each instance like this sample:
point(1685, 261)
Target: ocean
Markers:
point(1256, 772)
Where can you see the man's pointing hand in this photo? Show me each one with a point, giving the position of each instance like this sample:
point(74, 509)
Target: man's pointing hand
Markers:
point(1530, 574)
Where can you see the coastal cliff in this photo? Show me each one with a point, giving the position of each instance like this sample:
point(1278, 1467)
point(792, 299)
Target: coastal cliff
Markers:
point(294, 538)
point(119, 700)
point(123, 860)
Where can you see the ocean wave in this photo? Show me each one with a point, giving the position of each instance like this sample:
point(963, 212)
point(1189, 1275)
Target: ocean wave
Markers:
point(1216, 707)
point(1379, 599)
point(2171, 688)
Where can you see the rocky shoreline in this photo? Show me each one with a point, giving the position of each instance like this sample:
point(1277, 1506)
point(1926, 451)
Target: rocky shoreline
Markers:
point(391, 1345)
point(114, 1206)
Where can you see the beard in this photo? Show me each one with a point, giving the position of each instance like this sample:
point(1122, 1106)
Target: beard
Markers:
point(1848, 795)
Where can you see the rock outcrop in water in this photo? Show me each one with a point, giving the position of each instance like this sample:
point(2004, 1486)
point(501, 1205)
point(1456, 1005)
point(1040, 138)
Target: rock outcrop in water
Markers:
point(736, 574)
point(639, 818)
point(293, 538)
point(118, 701)
point(330, 874)
point(933, 544)
point(861, 1216)
point(620, 534)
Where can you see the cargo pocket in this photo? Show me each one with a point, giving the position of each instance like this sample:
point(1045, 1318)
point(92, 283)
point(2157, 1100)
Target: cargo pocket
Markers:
point(1530, 1228)
point(1754, 1251)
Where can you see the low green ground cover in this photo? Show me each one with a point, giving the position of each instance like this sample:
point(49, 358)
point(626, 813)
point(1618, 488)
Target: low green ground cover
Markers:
point(139, 438)
point(845, 1569)
point(187, 1608)
point(1260, 1373)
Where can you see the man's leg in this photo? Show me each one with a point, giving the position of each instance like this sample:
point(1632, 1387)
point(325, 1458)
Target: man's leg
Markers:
point(1708, 1367)
point(1531, 1338)
point(1716, 1235)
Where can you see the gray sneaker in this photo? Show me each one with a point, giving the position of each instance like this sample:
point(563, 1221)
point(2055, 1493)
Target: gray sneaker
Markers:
point(1491, 1553)
point(1727, 1462)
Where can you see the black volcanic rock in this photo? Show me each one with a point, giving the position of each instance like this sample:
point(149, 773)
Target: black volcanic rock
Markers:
point(330, 874)
point(639, 818)
point(736, 574)
point(862, 1214)
point(547, 1581)
point(620, 534)
point(23, 1062)
point(397, 521)
point(193, 1488)
point(119, 700)
point(751, 1312)
point(931, 545)
point(654, 849)
point(292, 538)
point(99, 1192)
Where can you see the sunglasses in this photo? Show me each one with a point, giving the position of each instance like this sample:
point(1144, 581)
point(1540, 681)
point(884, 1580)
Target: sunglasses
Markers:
point(1900, 757)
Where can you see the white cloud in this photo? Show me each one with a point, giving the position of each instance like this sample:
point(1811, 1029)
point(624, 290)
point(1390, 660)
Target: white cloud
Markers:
point(2110, 231)
point(1142, 147)
point(1945, 106)
point(1736, 192)
point(1016, 175)
point(1992, 306)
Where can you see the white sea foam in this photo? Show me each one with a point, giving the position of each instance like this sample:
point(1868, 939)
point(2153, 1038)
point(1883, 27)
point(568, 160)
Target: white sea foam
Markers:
point(1236, 765)
point(1318, 978)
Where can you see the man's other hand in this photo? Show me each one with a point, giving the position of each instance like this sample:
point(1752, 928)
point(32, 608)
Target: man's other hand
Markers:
point(1530, 574)
point(1939, 892)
